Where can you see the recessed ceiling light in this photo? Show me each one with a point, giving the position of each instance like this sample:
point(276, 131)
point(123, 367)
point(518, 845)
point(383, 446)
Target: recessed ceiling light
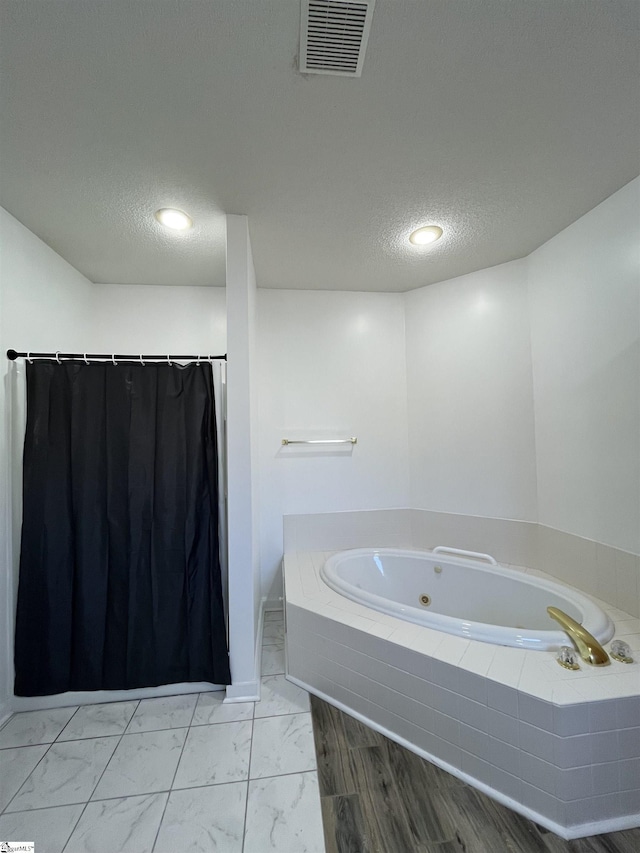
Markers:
point(172, 218)
point(425, 235)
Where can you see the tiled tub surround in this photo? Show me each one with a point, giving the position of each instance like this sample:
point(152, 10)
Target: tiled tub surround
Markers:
point(599, 570)
point(562, 748)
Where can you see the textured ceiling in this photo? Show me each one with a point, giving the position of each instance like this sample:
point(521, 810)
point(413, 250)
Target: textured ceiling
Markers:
point(501, 120)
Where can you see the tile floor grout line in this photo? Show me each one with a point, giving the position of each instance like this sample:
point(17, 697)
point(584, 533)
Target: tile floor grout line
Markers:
point(246, 804)
point(175, 773)
point(73, 828)
point(253, 720)
point(4, 810)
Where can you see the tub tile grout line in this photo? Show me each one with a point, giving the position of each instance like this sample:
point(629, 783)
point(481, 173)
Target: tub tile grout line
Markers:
point(175, 772)
point(73, 828)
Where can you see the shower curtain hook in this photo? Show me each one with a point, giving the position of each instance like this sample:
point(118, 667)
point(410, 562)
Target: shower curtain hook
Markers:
point(141, 361)
point(113, 359)
point(210, 358)
point(86, 360)
point(198, 360)
point(29, 359)
point(58, 356)
point(168, 360)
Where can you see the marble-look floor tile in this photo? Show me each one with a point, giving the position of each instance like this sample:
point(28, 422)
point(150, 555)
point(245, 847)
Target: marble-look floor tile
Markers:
point(67, 774)
point(49, 829)
point(143, 763)
point(273, 632)
point(128, 825)
point(279, 696)
point(212, 709)
point(273, 659)
point(30, 727)
point(203, 820)
point(99, 720)
point(283, 815)
point(282, 745)
point(273, 615)
point(15, 766)
point(214, 754)
point(166, 712)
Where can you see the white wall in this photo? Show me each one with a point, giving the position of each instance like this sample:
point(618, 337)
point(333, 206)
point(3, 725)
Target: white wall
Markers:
point(330, 365)
point(471, 426)
point(155, 319)
point(584, 287)
point(44, 305)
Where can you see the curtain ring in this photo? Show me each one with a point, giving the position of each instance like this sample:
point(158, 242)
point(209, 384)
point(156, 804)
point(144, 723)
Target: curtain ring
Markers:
point(29, 359)
point(58, 356)
point(113, 359)
point(141, 361)
point(86, 360)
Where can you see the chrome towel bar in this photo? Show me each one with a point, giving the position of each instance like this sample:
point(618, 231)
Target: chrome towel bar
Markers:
point(352, 440)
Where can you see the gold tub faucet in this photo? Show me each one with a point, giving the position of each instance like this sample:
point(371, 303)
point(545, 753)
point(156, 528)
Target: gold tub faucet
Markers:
point(588, 647)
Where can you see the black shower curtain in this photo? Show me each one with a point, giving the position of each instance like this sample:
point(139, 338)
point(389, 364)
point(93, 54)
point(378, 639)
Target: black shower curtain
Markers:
point(119, 572)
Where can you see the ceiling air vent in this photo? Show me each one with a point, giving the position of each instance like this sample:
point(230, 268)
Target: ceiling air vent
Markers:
point(333, 36)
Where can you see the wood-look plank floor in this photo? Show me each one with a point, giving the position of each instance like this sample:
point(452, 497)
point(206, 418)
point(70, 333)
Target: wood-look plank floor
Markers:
point(378, 797)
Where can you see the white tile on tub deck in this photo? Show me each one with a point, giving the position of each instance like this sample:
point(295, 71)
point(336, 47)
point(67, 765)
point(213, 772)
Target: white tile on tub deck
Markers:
point(143, 763)
point(211, 708)
point(110, 718)
point(477, 658)
point(214, 754)
point(48, 828)
point(128, 825)
point(16, 764)
point(506, 666)
point(31, 727)
point(279, 696)
point(282, 745)
point(67, 774)
point(203, 820)
point(164, 712)
point(283, 815)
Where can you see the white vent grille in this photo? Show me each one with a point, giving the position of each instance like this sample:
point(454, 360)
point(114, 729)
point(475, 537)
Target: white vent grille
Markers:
point(334, 35)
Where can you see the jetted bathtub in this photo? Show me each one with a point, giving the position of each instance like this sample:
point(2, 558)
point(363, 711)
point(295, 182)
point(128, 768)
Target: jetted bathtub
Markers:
point(463, 593)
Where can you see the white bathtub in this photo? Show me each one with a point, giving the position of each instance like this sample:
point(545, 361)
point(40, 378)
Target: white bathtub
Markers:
point(463, 596)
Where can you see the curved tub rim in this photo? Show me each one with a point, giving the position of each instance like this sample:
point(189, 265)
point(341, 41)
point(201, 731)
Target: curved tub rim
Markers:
point(537, 640)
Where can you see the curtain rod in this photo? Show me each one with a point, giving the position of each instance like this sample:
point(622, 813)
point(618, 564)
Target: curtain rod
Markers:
point(12, 355)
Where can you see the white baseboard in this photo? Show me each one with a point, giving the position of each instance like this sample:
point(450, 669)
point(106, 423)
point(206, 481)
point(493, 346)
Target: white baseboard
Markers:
point(243, 691)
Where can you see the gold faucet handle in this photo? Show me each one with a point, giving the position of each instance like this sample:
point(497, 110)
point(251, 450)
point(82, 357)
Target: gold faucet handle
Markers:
point(588, 647)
